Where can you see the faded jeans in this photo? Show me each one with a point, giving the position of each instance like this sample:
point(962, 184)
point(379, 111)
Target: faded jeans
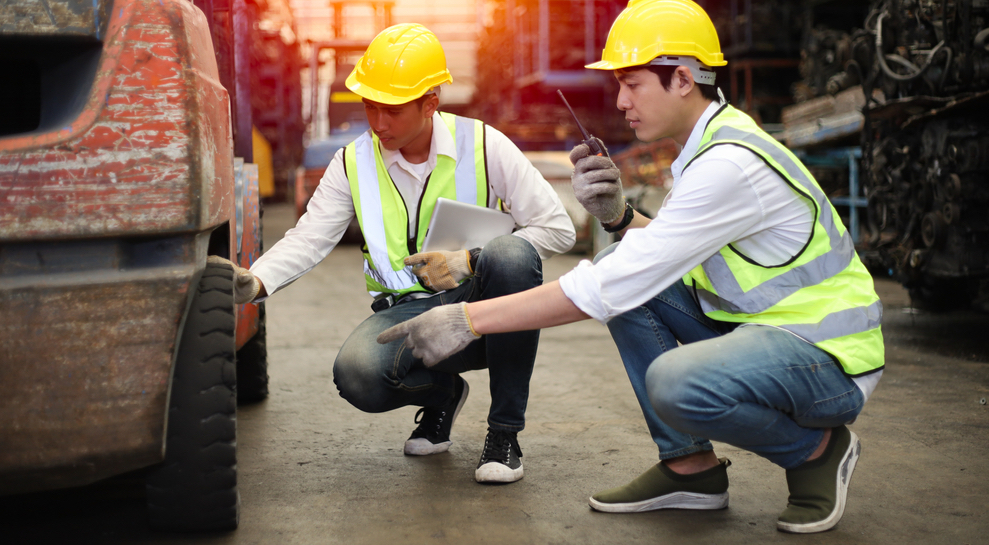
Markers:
point(380, 377)
point(756, 387)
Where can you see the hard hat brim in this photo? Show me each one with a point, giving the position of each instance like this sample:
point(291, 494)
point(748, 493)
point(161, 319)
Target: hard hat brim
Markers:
point(611, 65)
point(603, 65)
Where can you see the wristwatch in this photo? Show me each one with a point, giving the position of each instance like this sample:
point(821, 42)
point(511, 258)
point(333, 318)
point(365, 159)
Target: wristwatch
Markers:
point(626, 219)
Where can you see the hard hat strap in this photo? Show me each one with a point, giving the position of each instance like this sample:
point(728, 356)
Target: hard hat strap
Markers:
point(703, 75)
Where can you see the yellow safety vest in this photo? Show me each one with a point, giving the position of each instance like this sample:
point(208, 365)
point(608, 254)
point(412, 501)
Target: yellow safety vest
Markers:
point(381, 210)
point(824, 294)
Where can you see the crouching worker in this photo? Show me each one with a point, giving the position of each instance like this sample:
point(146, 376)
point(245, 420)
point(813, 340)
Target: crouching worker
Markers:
point(390, 178)
point(746, 265)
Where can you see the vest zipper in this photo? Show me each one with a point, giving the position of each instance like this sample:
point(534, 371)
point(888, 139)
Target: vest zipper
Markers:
point(411, 241)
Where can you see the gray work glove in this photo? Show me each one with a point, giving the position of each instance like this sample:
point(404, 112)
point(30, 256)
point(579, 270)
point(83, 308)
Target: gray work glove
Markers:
point(597, 184)
point(441, 270)
point(246, 285)
point(434, 335)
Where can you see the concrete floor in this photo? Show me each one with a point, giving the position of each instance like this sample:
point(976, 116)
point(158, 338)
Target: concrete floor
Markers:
point(312, 469)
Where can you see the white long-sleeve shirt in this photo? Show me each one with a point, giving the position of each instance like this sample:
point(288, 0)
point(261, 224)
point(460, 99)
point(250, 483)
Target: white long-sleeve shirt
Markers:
point(729, 196)
point(527, 196)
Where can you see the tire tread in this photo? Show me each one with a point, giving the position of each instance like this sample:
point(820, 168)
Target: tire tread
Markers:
point(195, 488)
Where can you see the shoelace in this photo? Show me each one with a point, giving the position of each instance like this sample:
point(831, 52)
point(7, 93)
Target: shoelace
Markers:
point(432, 421)
point(498, 446)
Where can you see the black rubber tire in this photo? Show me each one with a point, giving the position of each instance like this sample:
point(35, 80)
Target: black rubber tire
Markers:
point(195, 488)
point(252, 365)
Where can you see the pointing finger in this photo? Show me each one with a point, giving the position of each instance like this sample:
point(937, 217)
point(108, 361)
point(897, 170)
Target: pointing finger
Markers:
point(393, 333)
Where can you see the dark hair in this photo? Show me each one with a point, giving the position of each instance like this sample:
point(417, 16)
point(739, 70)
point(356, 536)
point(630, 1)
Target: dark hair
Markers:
point(421, 101)
point(665, 74)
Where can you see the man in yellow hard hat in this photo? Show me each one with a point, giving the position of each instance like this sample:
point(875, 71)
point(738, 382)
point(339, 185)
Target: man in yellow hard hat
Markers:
point(746, 265)
point(390, 178)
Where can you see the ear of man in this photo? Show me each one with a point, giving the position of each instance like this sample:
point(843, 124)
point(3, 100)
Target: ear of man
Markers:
point(683, 80)
point(428, 104)
point(666, 78)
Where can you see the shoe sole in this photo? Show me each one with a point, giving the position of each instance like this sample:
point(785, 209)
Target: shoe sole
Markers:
point(845, 470)
point(676, 500)
point(494, 472)
point(422, 447)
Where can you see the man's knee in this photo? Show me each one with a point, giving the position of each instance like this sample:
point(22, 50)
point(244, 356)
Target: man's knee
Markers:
point(674, 388)
point(511, 260)
point(605, 252)
point(361, 385)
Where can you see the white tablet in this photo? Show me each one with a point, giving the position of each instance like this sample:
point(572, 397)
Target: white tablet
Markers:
point(460, 226)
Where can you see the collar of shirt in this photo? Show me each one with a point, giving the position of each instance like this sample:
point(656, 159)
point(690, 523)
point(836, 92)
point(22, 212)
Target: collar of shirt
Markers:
point(690, 148)
point(441, 143)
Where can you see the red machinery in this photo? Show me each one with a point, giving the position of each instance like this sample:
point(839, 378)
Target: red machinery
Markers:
point(118, 177)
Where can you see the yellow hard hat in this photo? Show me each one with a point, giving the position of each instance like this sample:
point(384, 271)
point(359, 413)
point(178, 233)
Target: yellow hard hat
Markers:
point(647, 29)
point(402, 63)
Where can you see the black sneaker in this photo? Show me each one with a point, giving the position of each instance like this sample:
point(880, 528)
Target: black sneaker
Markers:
point(433, 434)
point(500, 460)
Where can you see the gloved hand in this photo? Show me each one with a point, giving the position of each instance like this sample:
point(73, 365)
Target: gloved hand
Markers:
point(434, 335)
point(246, 285)
point(441, 270)
point(597, 184)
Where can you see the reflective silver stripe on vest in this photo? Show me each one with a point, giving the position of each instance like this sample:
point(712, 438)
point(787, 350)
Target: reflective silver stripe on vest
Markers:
point(465, 175)
point(774, 290)
point(838, 324)
point(372, 219)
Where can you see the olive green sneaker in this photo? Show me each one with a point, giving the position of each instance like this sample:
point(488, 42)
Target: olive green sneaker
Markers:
point(818, 488)
point(661, 488)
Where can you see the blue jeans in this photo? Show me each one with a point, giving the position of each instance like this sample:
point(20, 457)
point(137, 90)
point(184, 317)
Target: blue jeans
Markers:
point(380, 377)
point(756, 387)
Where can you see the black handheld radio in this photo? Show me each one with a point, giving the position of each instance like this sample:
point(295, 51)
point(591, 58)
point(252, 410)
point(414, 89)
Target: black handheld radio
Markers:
point(592, 143)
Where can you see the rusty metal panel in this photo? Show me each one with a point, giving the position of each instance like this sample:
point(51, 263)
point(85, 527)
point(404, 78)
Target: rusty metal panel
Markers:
point(54, 17)
point(86, 362)
point(87, 338)
point(150, 153)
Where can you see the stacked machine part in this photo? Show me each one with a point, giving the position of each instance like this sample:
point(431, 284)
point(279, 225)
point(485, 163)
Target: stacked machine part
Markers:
point(924, 64)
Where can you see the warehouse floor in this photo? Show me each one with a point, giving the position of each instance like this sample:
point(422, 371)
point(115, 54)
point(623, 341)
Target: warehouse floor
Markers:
point(313, 469)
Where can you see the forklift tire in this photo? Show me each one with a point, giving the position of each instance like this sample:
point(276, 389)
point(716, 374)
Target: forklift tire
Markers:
point(252, 365)
point(195, 488)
